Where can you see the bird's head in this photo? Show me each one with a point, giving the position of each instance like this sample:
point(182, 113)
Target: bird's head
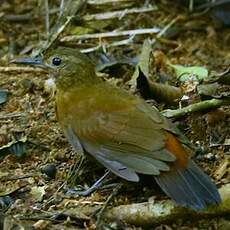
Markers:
point(68, 66)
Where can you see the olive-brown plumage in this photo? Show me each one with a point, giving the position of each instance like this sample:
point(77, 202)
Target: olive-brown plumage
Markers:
point(123, 132)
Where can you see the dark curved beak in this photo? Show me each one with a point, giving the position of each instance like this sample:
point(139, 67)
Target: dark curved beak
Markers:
point(37, 62)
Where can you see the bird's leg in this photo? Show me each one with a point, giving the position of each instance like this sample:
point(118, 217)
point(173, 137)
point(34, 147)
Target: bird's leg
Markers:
point(86, 192)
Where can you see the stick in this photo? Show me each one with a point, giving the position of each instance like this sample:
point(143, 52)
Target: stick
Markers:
point(101, 2)
point(47, 18)
point(197, 107)
point(152, 213)
point(74, 38)
point(118, 14)
point(113, 44)
point(71, 8)
point(17, 69)
point(12, 115)
point(102, 210)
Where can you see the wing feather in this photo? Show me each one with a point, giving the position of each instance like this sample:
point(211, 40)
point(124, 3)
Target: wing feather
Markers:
point(124, 141)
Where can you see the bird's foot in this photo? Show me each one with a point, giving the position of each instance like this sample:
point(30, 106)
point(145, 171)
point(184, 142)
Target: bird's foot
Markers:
point(86, 192)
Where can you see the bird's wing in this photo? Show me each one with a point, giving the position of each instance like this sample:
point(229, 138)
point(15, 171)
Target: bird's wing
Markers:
point(126, 141)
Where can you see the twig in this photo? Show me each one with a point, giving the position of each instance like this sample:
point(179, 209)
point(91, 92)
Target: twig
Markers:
point(61, 8)
point(92, 49)
point(47, 17)
point(118, 14)
point(50, 199)
point(113, 44)
point(74, 171)
point(74, 38)
point(11, 69)
point(53, 37)
point(71, 8)
point(197, 107)
point(191, 5)
point(212, 4)
point(122, 42)
point(102, 210)
point(20, 177)
point(11, 46)
point(168, 26)
point(100, 2)
point(12, 115)
point(41, 217)
point(17, 17)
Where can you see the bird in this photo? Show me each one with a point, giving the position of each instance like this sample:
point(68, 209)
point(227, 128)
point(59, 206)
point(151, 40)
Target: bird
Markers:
point(122, 131)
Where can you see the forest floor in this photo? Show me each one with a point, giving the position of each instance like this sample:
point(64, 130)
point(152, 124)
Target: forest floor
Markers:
point(37, 164)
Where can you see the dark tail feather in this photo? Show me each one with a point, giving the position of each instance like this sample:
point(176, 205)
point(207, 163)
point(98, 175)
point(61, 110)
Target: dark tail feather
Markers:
point(189, 187)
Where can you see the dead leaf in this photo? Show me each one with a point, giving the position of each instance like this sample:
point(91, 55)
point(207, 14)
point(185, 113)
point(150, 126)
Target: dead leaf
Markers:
point(142, 65)
point(222, 169)
point(38, 192)
point(157, 91)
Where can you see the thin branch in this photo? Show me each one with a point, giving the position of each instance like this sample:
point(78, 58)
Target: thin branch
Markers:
point(168, 26)
point(197, 107)
point(19, 177)
point(70, 10)
point(102, 210)
point(18, 17)
point(113, 44)
point(118, 14)
point(17, 69)
point(74, 38)
point(12, 115)
point(212, 4)
point(100, 2)
point(191, 5)
point(61, 8)
point(47, 18)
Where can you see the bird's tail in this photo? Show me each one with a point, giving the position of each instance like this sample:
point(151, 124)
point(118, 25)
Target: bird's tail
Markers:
point(189, 187)
point(186, 183)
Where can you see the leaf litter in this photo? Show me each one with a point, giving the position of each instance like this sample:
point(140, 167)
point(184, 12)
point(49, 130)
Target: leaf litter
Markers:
point(27, 106)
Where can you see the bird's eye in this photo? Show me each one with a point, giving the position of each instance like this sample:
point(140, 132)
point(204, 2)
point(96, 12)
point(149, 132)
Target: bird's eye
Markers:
point(56, 61)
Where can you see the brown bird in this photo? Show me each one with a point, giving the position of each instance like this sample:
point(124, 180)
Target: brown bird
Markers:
point(122, 132)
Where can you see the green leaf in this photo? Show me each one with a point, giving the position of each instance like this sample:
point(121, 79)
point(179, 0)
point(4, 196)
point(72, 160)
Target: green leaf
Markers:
point(190, 73)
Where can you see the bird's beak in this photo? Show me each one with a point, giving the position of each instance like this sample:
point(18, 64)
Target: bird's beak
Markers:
point(37, 62)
